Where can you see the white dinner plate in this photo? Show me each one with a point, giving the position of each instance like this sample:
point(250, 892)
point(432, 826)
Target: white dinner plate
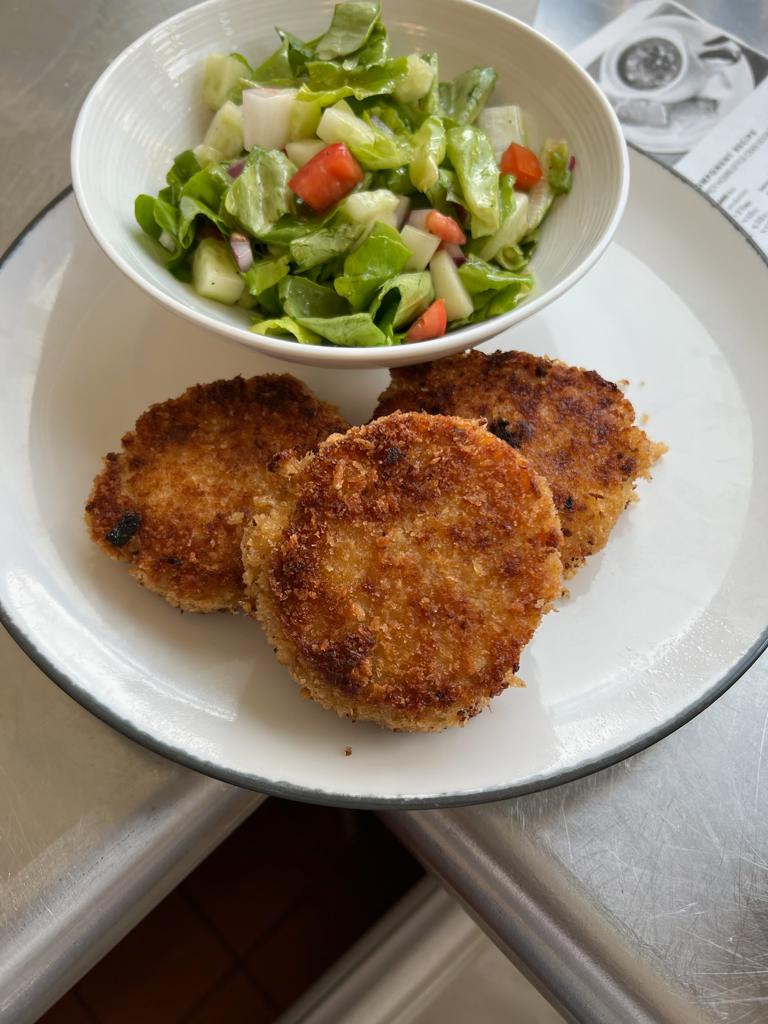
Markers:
point(656, 626)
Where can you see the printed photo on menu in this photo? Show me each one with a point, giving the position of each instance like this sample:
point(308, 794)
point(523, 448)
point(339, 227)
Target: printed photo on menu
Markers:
point(672, 77)
point(692, 97)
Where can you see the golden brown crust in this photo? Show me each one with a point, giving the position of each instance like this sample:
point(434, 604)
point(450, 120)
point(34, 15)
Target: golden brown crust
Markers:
point(405, 568)
point(576, 428)
point(173, 502)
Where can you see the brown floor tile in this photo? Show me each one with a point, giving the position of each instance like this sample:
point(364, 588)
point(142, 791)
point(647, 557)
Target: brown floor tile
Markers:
point(235, 1000)
point(369, 875)
point(67, 1011)
point(160, 971)
point(263, 870)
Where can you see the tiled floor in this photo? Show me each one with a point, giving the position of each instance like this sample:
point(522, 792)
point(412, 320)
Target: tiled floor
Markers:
point(248, 931)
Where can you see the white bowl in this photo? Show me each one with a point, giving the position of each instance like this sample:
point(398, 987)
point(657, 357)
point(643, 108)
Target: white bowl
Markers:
point(146, 108)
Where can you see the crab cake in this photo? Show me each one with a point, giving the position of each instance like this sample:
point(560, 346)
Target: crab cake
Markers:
point(575, 428)
point(404, 569)
point(173, 502)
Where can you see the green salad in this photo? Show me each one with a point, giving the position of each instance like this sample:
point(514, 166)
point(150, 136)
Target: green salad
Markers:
point(346, 196)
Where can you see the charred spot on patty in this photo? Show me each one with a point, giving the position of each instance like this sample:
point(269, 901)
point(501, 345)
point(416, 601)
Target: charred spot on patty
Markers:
point(124, 529)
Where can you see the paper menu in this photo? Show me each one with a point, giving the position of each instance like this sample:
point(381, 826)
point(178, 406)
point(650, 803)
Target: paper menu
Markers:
point(693, 97)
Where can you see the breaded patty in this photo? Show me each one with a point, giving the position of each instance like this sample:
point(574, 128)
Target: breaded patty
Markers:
point(574, 427)
point(405, 568)
point(173, 502)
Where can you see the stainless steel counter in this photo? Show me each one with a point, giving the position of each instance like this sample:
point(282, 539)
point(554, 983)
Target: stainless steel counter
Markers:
point(94, 830)
point(639, 894)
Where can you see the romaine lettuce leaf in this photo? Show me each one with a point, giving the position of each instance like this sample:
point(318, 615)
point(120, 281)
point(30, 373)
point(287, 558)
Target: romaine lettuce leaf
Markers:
point(301, 297)
point(285, 325)
point(333, 239)
point(514, 222)
point(328, 82)
point(471, 155)
point(477, 276)
point(429, 146)
point(144, 210)
point(191, 208)
point(265, 273)
point(277, 71)
point(555, 160)
point(375, 51)
point(445, 191)
point(380, 257)
point(351, 27)
point(357, 329)
point(430, 103)
point(260, 196)
point(462, 99)
point(402, 299)
point(396, 179)
point(185, 165)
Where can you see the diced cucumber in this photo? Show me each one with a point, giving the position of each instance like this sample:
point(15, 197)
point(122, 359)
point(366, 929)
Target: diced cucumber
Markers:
point(503, 126)
point(422, 245)
point(167, 241)
point(402, 210)
point(214, 274)
point(302, 151)
point(366, 207)
point(304, 119)
point(221, 74)
point(225, 132)
point(339, 123)
point(449, 287)
point(267, 117)
point(417, 81)
point(207, 155)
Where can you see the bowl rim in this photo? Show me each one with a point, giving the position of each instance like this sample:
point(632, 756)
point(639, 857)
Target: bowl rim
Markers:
point(351, 356)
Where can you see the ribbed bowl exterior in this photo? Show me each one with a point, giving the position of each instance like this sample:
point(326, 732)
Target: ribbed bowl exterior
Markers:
point(147, 107)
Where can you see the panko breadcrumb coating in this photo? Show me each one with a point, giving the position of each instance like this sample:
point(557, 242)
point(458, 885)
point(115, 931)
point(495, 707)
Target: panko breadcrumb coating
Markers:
point(575, 428)
point(173, 502)
point(404, 569)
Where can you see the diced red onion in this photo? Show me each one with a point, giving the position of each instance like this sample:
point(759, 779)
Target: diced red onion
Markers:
point(236, 169)
point(241, 250)
point(455, 252)
point(571, 163)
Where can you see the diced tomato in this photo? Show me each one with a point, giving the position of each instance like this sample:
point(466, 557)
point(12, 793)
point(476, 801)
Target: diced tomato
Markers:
point(524, 164)
point(445, 228)
point(327, 177)
point(431, 323)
